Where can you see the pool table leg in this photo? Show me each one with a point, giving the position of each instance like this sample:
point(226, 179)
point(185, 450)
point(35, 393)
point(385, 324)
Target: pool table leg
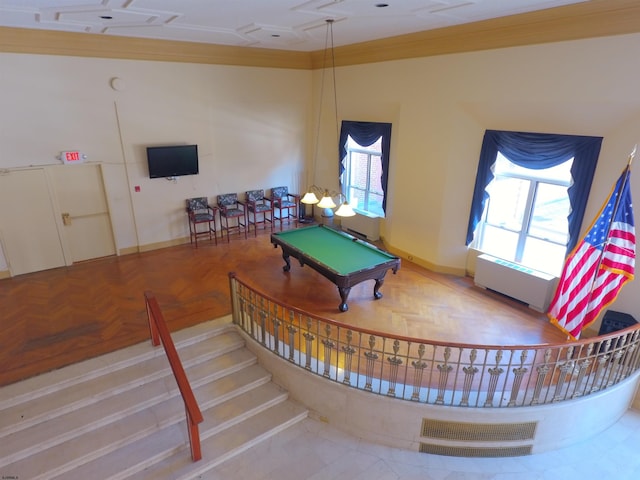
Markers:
point(344, 294)
point(287, 267)
point(376, 294)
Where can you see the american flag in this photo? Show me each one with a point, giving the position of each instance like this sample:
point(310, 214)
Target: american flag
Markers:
point(598, 267)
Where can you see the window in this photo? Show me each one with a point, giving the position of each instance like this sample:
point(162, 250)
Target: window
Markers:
point(362, 177)
point(364, 165)
point(525, 216)
point(530, 195)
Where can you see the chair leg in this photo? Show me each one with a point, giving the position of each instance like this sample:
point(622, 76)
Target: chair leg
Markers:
point(195, 233)
point(279, 217)
point(215, 235)
point(255, 222)
point(238, 226)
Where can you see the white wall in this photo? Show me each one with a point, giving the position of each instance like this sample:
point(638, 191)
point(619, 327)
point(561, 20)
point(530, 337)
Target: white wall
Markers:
point(441, 106)
point(252, 125)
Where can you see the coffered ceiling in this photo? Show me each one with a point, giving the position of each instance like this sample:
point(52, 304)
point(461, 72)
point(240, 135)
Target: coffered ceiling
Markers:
point(293, 25)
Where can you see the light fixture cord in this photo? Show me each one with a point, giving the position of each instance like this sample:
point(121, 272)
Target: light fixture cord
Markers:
point(324, 63)
point(335, 89)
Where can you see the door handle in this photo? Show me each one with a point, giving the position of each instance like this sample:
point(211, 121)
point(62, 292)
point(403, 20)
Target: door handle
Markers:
point(66, 219)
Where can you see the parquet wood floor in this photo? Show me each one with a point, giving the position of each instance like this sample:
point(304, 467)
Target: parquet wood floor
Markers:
point(57, 317)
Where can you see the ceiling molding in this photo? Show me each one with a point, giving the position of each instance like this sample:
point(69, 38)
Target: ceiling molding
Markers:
point(597, 18)
point(49, 42)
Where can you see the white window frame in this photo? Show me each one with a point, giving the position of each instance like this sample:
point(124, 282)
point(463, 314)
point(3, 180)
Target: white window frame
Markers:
point(524, 232)
point(347, 186)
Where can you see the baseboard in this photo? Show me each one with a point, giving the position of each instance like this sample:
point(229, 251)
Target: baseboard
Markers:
point(459, 272)
point(158, 245)
point(128, 250)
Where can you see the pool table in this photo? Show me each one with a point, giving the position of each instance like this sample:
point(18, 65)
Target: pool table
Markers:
point(342, 258)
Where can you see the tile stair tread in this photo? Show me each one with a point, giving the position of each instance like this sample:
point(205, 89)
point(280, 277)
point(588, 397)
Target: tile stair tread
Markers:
point(116, 382)
point(168, 453)
point(79, 372)
point(147, 422)
point(240, 405)
point(226, 373)
point(219, 448)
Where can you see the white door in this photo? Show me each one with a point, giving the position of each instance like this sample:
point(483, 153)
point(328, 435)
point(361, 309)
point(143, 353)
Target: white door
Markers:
point(28, 231)
point(82, 203)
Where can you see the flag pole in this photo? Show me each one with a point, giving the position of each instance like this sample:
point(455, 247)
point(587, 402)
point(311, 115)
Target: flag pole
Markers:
point(622, 187)
point(613, 216)
point(579, 297)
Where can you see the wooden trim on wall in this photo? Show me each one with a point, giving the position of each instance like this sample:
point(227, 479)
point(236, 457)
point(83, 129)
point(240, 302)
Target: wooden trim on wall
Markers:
point(595, 18)
point(48, 42)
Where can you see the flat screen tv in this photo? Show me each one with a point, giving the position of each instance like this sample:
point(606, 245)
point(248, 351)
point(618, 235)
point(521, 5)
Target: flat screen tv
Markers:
point(172, 161)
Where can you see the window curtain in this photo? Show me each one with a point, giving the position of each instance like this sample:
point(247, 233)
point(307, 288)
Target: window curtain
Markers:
point(538, 151)
point(366, 134)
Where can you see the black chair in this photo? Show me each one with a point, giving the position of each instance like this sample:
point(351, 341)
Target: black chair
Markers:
point(285, 204)
point(200, 212)
point(258, 208)
point(231, 208)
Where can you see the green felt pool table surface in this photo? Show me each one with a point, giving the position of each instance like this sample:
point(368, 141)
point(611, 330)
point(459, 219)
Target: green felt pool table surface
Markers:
point(339, 251)
point(340, 257)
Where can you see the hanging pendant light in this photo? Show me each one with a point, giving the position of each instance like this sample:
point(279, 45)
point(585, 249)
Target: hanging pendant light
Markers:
point(326, 202)
point(345, 210)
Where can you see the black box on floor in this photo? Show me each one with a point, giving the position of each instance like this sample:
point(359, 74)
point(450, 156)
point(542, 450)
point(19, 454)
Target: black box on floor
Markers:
point(613, 321)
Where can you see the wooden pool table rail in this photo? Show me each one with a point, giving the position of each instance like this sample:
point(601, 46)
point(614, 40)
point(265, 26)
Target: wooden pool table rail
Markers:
point(344, 281)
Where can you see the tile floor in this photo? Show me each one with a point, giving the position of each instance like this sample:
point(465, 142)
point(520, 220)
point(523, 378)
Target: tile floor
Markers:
point(313, 450)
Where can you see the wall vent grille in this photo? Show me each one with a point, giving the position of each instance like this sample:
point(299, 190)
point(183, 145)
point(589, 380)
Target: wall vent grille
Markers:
point(475, 451)
point(529, 286)
point(478, 432)
point(362, 225)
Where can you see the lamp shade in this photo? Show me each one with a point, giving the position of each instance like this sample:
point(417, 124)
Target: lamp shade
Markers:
point(326, 201)
point(309, 198)
point(345, 210)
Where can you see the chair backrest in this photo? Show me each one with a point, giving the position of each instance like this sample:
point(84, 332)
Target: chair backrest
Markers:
point(228, 199)
point(255, 195)
point(279, 192)
point(197, 203)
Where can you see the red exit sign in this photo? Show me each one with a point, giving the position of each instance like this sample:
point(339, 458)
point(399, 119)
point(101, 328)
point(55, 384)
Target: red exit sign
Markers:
point(72, 157)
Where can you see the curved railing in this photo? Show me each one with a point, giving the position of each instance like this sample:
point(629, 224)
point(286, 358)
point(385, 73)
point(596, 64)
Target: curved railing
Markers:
point(159, 332)
point(432, 372)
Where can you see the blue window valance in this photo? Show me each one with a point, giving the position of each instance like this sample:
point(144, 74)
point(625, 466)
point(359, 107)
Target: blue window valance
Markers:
point(538, 151)
point(366, 134)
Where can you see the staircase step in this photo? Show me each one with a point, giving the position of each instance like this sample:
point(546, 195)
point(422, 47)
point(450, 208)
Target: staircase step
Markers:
point(55, 402)
point(208, 381)
point(100, 441)
point(62, 378)
point(161, 445)
point(166, 454)
point(220, 448)
point(122, 416)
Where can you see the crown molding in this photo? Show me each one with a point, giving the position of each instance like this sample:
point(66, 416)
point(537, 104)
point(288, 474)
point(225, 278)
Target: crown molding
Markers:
point(595, 18)
point(49, 42)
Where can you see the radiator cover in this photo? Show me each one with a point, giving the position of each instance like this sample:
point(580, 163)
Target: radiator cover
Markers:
point(362, 225)
point(527, 285)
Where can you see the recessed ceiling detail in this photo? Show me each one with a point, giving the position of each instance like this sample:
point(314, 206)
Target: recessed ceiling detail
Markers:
point(278, 24)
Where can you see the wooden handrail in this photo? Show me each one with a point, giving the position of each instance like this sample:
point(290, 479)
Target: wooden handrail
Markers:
point(159, 332)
